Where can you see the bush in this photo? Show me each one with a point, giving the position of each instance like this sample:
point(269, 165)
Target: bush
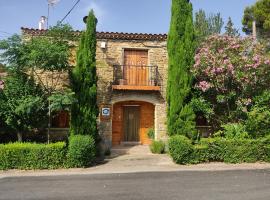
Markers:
point(233, 130)
point(81, 151)
point(157, 147)
point(258, 122)
point(221, 150)
point(180, 149)
point(32, 156)
point(151, 133)
point(200, 154)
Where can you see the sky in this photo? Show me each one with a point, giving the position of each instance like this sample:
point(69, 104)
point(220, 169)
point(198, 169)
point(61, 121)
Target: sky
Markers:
point(144, 16)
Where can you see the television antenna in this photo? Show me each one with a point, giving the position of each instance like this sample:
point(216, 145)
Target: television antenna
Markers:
point(51, 3)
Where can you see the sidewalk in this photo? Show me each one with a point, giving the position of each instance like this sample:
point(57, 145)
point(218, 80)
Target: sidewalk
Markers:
point(133, 160)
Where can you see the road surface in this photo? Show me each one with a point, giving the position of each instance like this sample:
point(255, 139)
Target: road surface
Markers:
point(184, 185)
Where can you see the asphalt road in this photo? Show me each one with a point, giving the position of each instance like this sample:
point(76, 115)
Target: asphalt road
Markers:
point(219, 185)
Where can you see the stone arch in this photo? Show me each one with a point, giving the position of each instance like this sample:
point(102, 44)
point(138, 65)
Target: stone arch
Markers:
point(149, 98)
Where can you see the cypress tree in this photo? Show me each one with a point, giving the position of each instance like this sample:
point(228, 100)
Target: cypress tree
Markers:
point(230, 30)
point(84, 83)
point(181, 50)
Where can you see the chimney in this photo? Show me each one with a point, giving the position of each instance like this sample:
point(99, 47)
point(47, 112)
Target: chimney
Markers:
point(41, 23)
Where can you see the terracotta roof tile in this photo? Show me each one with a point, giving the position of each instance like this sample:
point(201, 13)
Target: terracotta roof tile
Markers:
point(107, 35)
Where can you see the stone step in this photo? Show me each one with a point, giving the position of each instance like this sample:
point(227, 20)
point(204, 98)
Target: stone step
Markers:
point(130, 150)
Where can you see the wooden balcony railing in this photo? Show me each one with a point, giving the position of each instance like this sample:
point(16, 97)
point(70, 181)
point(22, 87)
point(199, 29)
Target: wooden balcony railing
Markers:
point(133, 77)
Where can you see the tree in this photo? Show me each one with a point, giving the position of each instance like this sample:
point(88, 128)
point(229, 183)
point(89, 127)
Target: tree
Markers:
point(259, 12)
point(201, 25)
point(216, 23)
point(22, 104)
point(230, 30)
point(48, 59)
point(207, 25)
point(181, 57)
point(44, 58)
point(84, 83)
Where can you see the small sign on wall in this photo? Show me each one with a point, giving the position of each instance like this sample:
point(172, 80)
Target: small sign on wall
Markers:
point(105, 112)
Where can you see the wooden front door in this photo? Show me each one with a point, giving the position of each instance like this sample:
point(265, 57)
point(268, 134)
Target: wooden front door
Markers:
point(135, 67)
point(131, 123)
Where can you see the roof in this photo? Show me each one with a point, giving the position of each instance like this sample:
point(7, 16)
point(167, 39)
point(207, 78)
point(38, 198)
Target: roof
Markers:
point(106, 35)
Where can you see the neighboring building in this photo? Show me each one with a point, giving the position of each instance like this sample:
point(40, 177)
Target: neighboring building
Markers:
point(132, 75)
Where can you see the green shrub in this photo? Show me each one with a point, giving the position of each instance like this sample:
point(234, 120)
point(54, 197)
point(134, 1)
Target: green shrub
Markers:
point(181, 149)
point(32, 156)
point(258, 122)
point(200, 154)
point(157, 147)
point(81, 151)
point(151, 133)
point(234, 130)
point(221, 150)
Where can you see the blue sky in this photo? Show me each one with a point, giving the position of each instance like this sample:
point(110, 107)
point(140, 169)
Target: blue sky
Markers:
point(149, 16)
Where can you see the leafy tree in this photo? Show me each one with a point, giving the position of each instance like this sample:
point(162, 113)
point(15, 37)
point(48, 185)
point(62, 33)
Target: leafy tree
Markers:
point(22, 105)
point(61, 100)
point(181, 57)
point(44, 58)
point(259, 12)
point(14, 51)
point(230, 30)
point(48, 60)
point(84, 83)
point(207, 25)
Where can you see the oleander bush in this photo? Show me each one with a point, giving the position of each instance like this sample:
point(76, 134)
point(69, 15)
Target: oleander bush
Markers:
point(157, 147)
point(32, 156)
point(81, 151)
point(220, 150)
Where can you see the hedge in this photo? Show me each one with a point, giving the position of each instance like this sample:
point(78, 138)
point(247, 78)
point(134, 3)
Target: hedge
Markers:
point(32, 156)
point(81, 151)
point(220, 150)
point(181, 149)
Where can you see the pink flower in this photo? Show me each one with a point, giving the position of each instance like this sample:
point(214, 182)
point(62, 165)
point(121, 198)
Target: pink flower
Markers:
point(204, 86)
point(219, 70)
point(256, 65)
point(267, 62)
point(230, 68)
point(256, 58)
point(226, 61)
point(220, 51)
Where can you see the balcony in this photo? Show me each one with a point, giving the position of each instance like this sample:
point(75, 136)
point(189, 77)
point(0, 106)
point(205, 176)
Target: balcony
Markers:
point(133, 77)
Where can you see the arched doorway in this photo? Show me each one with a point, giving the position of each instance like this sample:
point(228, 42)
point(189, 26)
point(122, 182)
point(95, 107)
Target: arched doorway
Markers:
point(131, 121)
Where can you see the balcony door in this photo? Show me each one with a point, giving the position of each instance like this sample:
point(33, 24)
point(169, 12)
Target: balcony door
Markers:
point(135, 67)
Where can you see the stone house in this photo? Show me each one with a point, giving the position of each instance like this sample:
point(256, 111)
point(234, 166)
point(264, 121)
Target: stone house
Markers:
point(132, 75)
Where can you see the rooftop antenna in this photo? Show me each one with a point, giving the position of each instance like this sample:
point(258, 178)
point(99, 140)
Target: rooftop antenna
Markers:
point(51, 3)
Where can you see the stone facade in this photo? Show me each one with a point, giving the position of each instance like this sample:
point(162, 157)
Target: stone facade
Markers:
point(112, 55)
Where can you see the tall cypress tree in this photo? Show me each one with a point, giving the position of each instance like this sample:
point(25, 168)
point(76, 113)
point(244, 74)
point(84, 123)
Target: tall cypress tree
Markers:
point(181, 50)
point(84, 83)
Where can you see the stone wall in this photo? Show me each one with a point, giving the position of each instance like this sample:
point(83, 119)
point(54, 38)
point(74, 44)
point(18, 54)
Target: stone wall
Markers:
point(113, 54)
